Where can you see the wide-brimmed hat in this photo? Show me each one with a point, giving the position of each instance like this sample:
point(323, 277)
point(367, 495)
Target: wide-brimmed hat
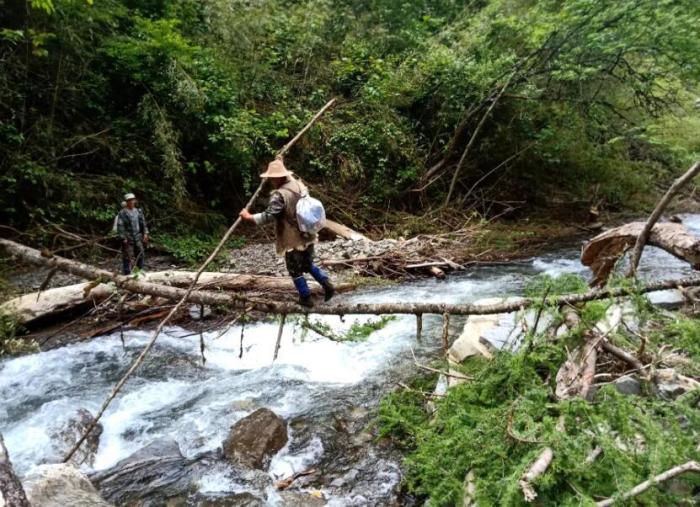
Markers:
point(276, 169)
point(129, 196)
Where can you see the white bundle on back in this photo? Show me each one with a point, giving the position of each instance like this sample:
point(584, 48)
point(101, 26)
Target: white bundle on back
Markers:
point(311, 216)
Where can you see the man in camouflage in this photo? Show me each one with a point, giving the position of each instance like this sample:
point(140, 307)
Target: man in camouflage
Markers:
point(133, 231)
point(297, 247)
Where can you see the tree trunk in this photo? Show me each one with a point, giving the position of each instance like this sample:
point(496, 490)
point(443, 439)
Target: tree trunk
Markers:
point(11, 490)
point(54, 302)
point(49, 303)
point(656, 214)
point(344, 232)
point(265, 305)
point(602, 252)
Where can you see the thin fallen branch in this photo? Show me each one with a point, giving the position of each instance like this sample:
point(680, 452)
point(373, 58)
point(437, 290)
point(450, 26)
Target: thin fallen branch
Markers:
point(539, 466)
point(283, 318)
point(622, 354)
point(419, 327)
point(185, 296)
point(678, 184)
point(690, 466)
point(445, 333)
point(420, 366)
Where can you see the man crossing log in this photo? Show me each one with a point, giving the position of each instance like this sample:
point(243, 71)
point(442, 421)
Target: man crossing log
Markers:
point(296, 246)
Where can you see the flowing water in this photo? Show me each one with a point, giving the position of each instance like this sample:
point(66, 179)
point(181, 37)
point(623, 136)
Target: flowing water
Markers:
point(175, 395)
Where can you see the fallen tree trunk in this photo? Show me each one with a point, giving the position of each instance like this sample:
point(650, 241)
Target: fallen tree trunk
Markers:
point(11, 490)
point(643, 236)
point(602, 252)
point(54, 302)
point(239, 302)
point(344, 232)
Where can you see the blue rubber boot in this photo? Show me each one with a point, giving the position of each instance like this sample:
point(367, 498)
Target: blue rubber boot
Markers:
point(321, 277)
point(304, 292)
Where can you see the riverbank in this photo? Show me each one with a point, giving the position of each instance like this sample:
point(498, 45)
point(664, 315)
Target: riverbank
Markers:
point(512, 433)
point(327, 392)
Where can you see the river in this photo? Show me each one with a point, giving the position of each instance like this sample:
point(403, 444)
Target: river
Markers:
point(314, 380)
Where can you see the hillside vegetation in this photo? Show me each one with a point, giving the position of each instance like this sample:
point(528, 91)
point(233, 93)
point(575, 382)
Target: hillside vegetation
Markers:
point(184, 102)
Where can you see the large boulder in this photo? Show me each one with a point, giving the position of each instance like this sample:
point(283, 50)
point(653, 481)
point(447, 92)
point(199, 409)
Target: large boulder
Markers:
point(60, 485)
point(154, 475)
point(64, 438)
point(253, 440)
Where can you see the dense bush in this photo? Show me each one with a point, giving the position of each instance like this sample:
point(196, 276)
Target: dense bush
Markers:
point(184, 102)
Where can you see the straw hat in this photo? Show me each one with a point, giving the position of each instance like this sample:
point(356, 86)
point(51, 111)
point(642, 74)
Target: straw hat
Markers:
point(276, 169)
point(129, 196)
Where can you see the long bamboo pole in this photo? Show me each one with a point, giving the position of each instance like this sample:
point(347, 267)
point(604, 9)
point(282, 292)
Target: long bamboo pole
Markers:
point(185, 297)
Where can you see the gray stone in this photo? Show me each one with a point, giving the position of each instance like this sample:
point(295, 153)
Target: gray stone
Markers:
point(300, 499)
point(157, 474)
point(253, 440)
point(60, 485)
point(627, 384)
point(669, 384)
point(236, 500)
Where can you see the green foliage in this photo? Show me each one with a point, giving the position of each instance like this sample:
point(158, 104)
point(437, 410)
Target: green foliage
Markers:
point(184, 102)
point(11, 343)
point(497, 423)
point(358, 331)
point(191, 248)
point(552, 286)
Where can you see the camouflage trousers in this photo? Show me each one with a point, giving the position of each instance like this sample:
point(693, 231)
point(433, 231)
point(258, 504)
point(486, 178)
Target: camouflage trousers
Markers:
point(133, 254)
point(299, 262)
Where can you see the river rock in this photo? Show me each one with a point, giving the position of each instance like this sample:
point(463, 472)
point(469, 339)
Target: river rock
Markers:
point(301, 499)
point(670, 384)
point(61, 485)
point(628, 384)
point(253, 440)
point(157, 474)
point(236, 500)
point(65, 437)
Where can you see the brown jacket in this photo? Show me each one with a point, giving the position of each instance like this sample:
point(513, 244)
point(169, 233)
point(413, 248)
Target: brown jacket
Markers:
point(287, 233)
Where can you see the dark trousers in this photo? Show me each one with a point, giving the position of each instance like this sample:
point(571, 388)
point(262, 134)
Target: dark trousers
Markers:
point(302, 261)
point(133, 254)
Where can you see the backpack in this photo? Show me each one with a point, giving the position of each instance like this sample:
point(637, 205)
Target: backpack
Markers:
point(311, 216)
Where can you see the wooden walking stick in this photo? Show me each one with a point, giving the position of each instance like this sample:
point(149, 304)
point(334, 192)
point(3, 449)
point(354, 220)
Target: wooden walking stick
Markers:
point(184, 298)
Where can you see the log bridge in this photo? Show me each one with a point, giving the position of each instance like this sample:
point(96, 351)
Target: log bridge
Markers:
point(265, 305)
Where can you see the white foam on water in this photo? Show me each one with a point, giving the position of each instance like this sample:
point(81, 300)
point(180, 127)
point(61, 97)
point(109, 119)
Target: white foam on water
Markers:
point(172, 395)
point(286, 463)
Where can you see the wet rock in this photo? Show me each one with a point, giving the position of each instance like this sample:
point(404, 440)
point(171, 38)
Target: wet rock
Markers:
point(628, 384)
point(157, 474)
point(65, 437)
point(669, 384)
point(301, 499)
point(236, 500)
point(61, 485)
point(253, 440)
